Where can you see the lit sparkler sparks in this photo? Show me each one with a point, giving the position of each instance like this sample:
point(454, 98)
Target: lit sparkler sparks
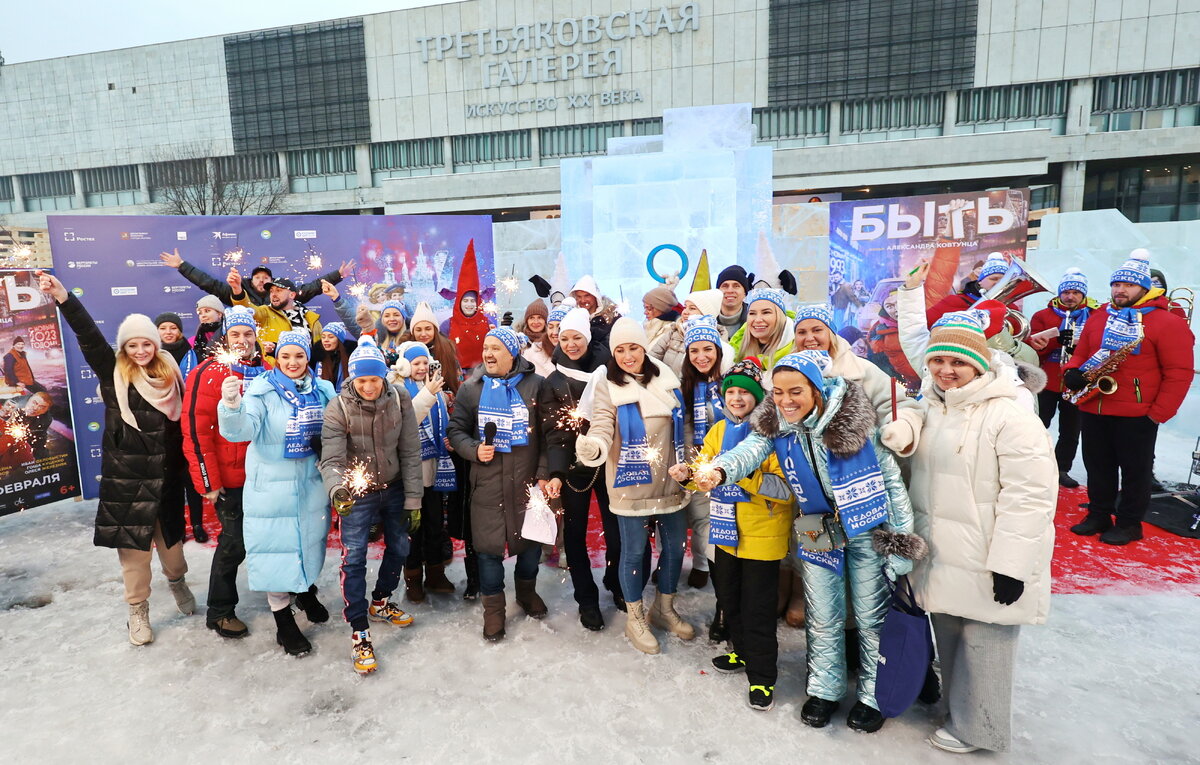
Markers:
point(703, 470)
point(490, 307)
point(358, 480)
point(358, 290)
point(653, 455)
point(226, 356)
point(18, 431)
point(510, 284)
point(235, 256)
point(572, 419)
point(314, 262)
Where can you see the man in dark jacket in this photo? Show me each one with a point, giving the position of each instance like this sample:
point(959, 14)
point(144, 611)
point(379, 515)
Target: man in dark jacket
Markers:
point(503, 392)
point(734, 283)
point(257, 290)
point(17, 370)
point(1119, 429)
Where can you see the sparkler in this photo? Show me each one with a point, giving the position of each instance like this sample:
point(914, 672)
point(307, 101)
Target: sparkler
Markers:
point(703, 470)
point(235, 256)
point(226, 356)
point(358, 480)
point(510, 284)
point(18, 432)
point(314, 262)
point(571, 419)
point(358, 290)
point(490, 307)
point(653, 455)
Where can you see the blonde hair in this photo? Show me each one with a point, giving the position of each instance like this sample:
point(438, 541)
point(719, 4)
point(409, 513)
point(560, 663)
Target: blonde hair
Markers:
point(158, 368)
point(777, 341)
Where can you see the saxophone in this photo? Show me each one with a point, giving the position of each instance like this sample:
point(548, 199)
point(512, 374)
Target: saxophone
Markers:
point(1100, 380)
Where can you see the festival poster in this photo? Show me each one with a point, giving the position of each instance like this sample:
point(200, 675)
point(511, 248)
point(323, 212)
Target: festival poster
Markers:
point(37, 443)
point(112, 264)
point(874, 243)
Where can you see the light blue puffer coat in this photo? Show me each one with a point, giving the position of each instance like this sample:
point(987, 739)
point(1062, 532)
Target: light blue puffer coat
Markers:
point(285, 504)
point(845, 427)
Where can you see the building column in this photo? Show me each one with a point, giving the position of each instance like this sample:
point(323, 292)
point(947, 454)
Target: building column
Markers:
point(949, 111)
point(835, 122)
point(1070, 187)
point(284, 179)
point(535, 146)
point(362, 165)
point(1079, 107)
point(143, 172)
point(77, 182)
point(448, 153)
point(18, 195)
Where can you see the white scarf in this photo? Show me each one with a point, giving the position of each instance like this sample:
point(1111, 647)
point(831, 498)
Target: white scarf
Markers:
point(164, 394)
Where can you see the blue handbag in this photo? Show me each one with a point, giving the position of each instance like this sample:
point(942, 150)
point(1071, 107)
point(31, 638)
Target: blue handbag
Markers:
point(905, 650)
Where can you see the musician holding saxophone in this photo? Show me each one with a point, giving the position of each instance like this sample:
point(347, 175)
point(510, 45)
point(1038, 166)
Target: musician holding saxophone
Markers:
point(1129, 373)
point(1053, 332)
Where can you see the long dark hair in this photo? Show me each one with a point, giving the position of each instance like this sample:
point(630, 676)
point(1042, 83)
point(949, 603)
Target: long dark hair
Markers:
point(442, 349)
point(618, 376)
point(691, 376)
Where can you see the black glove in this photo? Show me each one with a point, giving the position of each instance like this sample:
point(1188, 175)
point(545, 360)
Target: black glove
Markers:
point(507, 319)
point(540, 286)
point(1066, 337)
point(1006, 589)
point(787, 282)
point(343, 502)
point(1073, 379)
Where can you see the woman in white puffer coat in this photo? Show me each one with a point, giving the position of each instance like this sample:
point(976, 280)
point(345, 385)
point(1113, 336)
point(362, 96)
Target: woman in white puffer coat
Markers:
point(984, 486)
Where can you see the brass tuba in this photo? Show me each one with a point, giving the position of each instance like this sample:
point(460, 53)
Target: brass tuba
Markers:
point(1019, 281)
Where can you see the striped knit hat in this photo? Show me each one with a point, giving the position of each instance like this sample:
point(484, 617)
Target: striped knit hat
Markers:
point(746, 374)
point(960, 334)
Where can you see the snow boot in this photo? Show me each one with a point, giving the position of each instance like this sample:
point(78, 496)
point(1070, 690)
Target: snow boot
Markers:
point(638, 631)
point(313, 609)
point(139, 623)
point(718, 630)
point(618, 599)
point(493, 617)
point(414, 590)
point(199, 534)
point(363, 653)
point(471, 565)
point(436, 581)
point(864, 718)
point(664, 616)
point(185, 601)
point(1122, 535)
point(697, 579)
point(817, 711)
point(288, 635)
point(529, 600)
point(384, 610)
point(229, 627)
point(1092, 524)
point(591, 618)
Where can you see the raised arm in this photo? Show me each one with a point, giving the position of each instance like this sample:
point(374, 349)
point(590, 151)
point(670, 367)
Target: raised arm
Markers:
point(96, 351)
point(201, 279)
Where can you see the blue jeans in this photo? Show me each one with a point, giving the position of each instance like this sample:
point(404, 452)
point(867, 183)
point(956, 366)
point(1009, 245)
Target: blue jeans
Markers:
point(672, 536)
point(491, 569)
point(386, 507)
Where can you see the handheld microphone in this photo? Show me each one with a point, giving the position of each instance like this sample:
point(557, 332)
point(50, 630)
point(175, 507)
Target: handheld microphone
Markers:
point(489, 433)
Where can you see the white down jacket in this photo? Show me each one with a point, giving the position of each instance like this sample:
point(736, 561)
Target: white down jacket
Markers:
point(878, 386)
point(984, 487)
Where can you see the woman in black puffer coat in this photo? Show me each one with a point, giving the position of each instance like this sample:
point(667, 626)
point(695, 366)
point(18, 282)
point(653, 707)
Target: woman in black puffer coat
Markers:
point(142, 469)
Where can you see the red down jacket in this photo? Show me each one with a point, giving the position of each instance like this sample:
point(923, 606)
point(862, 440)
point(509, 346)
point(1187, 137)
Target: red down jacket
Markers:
point(214, 463)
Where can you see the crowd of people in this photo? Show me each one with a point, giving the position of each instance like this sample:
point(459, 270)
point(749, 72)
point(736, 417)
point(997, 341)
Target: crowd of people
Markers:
point(731, 422)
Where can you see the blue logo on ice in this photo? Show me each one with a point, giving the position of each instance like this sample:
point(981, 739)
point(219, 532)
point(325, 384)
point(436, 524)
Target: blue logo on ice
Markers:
point(683, 265)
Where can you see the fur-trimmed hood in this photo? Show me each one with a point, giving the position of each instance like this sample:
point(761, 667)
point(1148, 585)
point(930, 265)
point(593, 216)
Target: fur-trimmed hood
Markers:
point(1032, 377)
point(845, 427)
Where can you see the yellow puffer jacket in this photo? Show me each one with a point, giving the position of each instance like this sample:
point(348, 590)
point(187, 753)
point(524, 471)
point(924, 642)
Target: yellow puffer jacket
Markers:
point(764, 525)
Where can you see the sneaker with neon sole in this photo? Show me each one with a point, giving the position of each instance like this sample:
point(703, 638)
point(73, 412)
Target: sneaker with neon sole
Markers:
point(761, 697)
point(387, 611)
point(363, 653)
point(729, 663)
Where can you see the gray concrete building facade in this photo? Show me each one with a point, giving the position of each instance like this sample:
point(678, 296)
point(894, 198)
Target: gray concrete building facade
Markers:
point(470, 106)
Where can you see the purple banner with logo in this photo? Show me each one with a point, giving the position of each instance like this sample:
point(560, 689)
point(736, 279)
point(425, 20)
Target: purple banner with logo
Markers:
point(112, 264)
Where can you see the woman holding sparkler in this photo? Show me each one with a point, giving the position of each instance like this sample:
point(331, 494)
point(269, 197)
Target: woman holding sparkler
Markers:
point(636, 432)
point(142, 469)
point(286, 508)
point(846, 483)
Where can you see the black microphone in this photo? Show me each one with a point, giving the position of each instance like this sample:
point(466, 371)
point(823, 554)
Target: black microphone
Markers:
point(489, 433)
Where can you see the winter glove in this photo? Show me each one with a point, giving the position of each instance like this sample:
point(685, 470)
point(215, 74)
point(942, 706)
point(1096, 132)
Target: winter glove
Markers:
point(414, 520)
point(787, 282)
point(587, 449)
point(507, 319)
point(1073, 379)
point(540, 286)
point(1066, 337)
point(898, 436)
point(1007, 590)
point(231, 392)
point(363, 318)
point(343, 502)
point(896, 566)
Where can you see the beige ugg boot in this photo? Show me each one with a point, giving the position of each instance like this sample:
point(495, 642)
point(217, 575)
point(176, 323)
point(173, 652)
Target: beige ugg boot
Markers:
point(663, 615)
point(638, 631)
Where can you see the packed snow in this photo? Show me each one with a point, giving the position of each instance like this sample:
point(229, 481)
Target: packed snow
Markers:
point(1110, 678)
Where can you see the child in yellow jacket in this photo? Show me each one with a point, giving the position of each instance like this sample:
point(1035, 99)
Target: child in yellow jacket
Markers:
point(750, 524)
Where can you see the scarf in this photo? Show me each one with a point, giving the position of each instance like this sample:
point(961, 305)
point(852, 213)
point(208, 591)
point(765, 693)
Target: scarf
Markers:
point(295, 316)
point(308, 412)
point(1121, 327)
point(703, 394)
point(163, 393)
point(433, 434)
point(501, 403)
point(206, 335)
point(1076, 318)
point(178, 349)
point(722, 521)
point(633, 463)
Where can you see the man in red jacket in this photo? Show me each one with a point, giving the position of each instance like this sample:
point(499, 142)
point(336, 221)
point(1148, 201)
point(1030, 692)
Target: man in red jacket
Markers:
point(218, 467)
point(1119, 429)
point(992, 271)
point(1066, 313)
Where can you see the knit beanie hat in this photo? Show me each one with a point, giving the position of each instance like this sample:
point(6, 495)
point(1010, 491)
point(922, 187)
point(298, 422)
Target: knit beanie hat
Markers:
point(239, 316)
point(366, 361)
point(578, 320)
point(536, 308)
point(819, 311)
point(1073, 279)
point(708, 301)
point(662, 300)
point(626, 330)
point(737, 274)
point(178, 322)
point(301, 340)
point(139, 325)
point(412, 350)
point(747, 375)
point(997, 315)
point(508, 338)
point(770, 294)
point(560, 311)
point(337, 329)
point(423, 313)
point(699, 329)
point(959, 334)
point(210, 301)
point(811, 364)
point(995, 264)
point(1135, 270)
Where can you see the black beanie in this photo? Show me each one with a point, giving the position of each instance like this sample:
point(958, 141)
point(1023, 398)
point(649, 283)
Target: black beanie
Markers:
point(171, 317)
point(734, 273)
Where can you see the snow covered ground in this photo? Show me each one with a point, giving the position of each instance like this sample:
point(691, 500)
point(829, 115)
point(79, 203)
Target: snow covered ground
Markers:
point(1109, 679)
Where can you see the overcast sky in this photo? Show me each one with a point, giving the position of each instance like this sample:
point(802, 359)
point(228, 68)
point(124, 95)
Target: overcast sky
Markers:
point(37, 29)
